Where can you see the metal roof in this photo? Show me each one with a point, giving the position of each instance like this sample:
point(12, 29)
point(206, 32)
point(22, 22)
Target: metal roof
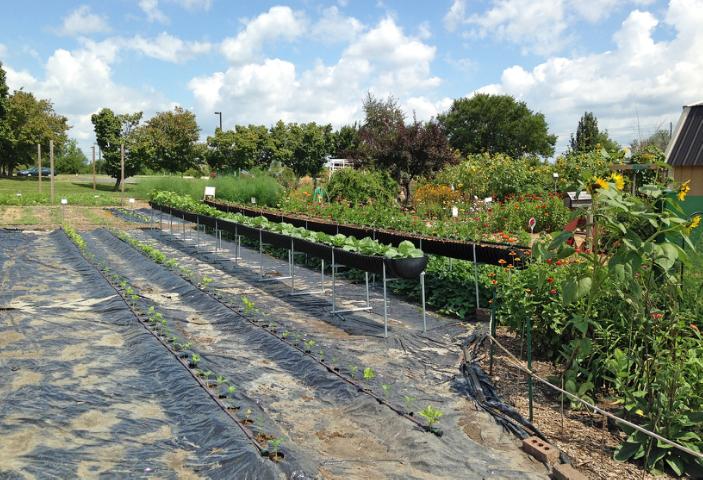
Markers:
point(686, 146)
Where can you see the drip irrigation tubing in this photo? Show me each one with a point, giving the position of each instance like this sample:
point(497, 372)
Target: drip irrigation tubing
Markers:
point(263, 451)
point(358, 386)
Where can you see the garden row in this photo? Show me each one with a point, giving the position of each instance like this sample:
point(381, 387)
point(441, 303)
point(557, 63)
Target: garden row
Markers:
point(481, 252)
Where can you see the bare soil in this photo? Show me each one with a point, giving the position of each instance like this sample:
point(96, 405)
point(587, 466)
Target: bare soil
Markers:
point(581, 434)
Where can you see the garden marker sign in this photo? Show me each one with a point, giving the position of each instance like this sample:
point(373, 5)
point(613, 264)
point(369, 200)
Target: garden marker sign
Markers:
point(531, 223)
point(209, 192)
point(455, 212)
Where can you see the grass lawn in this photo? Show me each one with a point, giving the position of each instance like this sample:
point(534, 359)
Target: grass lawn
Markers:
point(77, 189)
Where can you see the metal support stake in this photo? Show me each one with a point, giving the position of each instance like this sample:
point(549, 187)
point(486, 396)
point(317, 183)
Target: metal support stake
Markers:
point(422, 296)
point(161, 215)
point(261, 256)
point(368, 298)
point(197, 233)
point(291, 266)
point(476, 277)
point(385, 303)
point(493, 333)
point(170, 217)
point(529, 363)
point(334, 285)
point(183, 229)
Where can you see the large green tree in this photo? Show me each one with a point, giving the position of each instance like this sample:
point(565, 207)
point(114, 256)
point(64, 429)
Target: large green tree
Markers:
point(29, 121)
point(588, 137)
point(4, 127)
point(168, 139)
point(311, 144)
point(71, 158)
point(496, 124)
point(112, 131)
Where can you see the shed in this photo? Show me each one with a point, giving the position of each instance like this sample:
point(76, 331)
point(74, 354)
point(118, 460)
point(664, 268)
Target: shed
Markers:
point(685, 150)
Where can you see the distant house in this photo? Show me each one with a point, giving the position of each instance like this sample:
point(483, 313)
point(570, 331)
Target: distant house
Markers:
point(334, 164)
point(685, 153)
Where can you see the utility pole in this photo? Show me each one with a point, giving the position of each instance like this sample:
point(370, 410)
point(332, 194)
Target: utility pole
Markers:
point(39, 164)
point(122, 173)
point(93, 167)
point(51, 168)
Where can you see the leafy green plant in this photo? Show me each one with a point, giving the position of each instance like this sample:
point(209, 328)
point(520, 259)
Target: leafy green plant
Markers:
point(409, 401)
point(274, 446)
point(309, 345)
point(369, 374)
point(386, 390)
point(353, 369)
point(431, 415)
point(194, 360)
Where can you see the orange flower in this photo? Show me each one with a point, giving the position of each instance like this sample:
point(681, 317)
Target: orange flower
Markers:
point(550, 280)
point(494, 282)
point(502, 262)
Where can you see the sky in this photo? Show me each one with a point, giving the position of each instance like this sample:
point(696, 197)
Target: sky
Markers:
point(633, 63)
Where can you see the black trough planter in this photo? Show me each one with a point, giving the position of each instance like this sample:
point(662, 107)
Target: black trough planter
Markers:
point(274, 239)
point(367, 263)
point(314, 249)
point(408, 268)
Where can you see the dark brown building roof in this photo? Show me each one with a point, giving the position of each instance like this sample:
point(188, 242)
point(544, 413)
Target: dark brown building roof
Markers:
point(686, 146)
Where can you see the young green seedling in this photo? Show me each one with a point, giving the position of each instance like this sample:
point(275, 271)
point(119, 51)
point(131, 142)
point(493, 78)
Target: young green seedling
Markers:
point(220, 380)
point(432, 415)
point(194, 360)
point(274, 446)
point(369, 374)
point(231, 389)
point(206, 375)
point(285, 334)
point(309, 344)
point(353, 369)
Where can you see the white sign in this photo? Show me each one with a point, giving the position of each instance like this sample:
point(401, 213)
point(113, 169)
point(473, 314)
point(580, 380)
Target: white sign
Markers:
point(455, 212)
point(131, 200)
point(531, 223)
point(253, 200)
point(18, 194)
point(488, 199)
point(64, 201)
point(209, 191)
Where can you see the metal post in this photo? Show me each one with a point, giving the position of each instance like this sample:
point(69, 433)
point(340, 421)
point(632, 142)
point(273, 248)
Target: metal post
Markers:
point(51, 168)
point(493, 333)
point(39, 163)
point(291, 265)
point(422, 296)
point(122, 173)
point(161, 216)
point(261, 256)
point(368, 298)
point(334, 285)
point(385, 303)
point(476, 278)
point(197, 233)
point(529, 363)
point(93, 167)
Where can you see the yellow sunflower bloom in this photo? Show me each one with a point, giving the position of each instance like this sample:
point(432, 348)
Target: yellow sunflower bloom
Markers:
point(683, 190)
point(600, 183)
point(695, 221)
point(618, 180)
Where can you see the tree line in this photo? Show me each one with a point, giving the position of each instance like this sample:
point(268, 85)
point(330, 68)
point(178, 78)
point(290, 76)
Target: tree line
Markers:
point(385, 139)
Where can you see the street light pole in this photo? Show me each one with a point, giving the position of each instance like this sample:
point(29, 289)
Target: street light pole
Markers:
point(220, 115)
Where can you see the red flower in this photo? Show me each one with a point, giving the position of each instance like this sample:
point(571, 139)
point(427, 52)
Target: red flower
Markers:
point(550, 280)
point(657, 315)
point(549, 261)
point(559, 262)
point(553, 291)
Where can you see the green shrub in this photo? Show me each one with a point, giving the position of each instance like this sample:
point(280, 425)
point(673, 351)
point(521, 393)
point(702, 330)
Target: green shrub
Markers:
point(359, 187)
point(514, 213)
point(498, 176)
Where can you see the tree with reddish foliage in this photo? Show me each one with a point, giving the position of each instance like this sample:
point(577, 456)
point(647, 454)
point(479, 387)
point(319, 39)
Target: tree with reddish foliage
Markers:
point(405, 151)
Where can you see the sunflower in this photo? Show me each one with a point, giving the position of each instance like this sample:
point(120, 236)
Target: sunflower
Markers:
point(683, 190)
point(695, 221)
point(618, 180)
point(600, 183)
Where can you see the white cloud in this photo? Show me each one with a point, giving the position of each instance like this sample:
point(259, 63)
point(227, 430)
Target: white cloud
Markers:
point(383, 60)
point(3, 51)
point(538, 26)
point(334, 27)
point(640, 80)
point(456, 15)
point(195, 4)
point(279, 23)
point(82, 21)
point(79, 83)
point(152, 11)
point(167, 47)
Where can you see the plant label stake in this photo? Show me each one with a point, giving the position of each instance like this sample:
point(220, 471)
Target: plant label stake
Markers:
point(531, 223)
point(455, 212)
